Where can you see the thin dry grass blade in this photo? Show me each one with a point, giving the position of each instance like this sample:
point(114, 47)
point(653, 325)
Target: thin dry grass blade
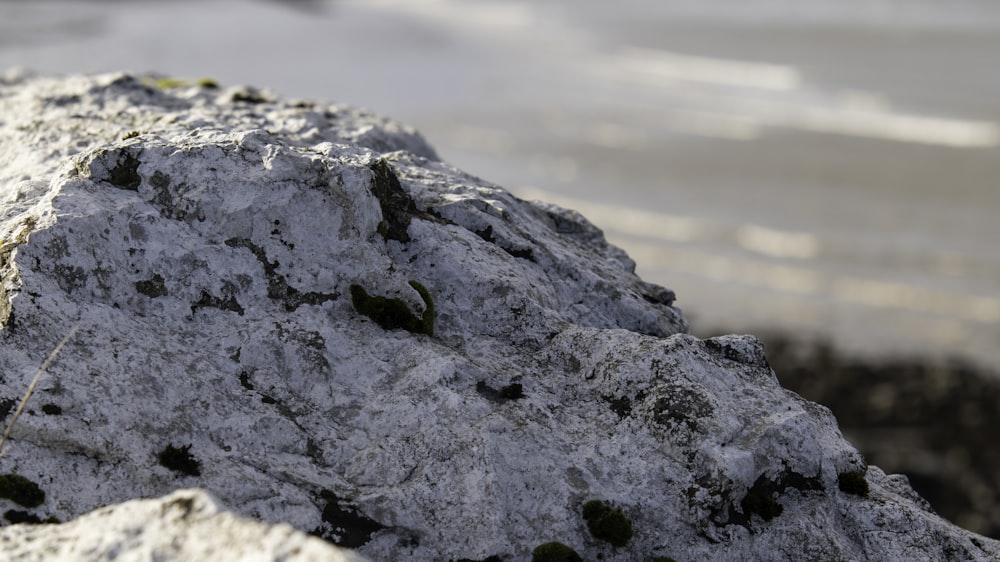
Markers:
point(34, 383)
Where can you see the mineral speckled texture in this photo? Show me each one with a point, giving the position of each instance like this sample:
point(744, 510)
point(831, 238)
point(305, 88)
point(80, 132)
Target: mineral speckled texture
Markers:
point(185, 526)
point(346, 334)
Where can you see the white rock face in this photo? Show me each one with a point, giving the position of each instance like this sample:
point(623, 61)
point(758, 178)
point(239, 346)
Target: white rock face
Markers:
point(300, 309)
point(184, 526)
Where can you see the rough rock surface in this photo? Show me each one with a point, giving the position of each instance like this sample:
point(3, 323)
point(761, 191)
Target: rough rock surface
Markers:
point(187, 525)
point(301, 309)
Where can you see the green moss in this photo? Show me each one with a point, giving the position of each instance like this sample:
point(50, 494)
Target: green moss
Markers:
point(853, 482)
point(554, 552)
point(169, 83)
point(208, 83)
point(180, 459)
point(427, 318)
point(607, 523)
point(131, 135)
point(20, 490)
point(393, 313)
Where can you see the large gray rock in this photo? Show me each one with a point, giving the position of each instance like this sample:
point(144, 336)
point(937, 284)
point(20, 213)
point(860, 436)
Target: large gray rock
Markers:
point(186, 526)
point(301, 309)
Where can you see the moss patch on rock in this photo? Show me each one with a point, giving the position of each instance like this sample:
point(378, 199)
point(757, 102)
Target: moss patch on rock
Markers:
point(607, 523)
point(853, 482)
point(20, 490)
point(554, 552)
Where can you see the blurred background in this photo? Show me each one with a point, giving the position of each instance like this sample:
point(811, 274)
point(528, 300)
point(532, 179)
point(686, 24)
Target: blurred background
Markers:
point(822, 173)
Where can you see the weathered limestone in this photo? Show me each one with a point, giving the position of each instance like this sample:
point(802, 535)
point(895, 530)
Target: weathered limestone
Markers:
point(299, 308)
point(186, 525)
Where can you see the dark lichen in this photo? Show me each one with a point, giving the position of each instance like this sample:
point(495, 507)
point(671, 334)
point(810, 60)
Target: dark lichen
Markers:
point(125, 174)
point(554, 552)
point(663, 559)
point(621, 406)
point(228, 303)
point(487, 234)
point(344, 526)
point(51, 409)
point(761, 503)
point(248, 95)
point(853, 482)
point(245, 380)
point(522, 253)
point(16, 516)
point(20, 490)
point(180, 459)
point(393, 313)
point(6, 407)
point(676, 404)
point(397, 207)
point(512, 391)
point(607, 523)
point(762, 498)
point(278, 288)
point(152, 287)
point(493, 558)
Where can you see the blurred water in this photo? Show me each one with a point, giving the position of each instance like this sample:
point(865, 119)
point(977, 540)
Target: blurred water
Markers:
point(824, 166)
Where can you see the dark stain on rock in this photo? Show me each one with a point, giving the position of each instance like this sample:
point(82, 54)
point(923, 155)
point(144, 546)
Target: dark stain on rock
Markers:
point(125, 174)
point(675, 404)
point(152, 287)
point(20, 490)
point(70, 278)
point(487, 234)
point(211, 301)
point(344, 526)
point(248, 95)
point(621, 405)
point(277, 287)
point(6, 407)
point(394, 313)
point(51, 409)
point(521, 253)
point(180, 459)
point(16, 516)
point(398, 209)
point(245, 380)
point(762, 498)
point(512, 391)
